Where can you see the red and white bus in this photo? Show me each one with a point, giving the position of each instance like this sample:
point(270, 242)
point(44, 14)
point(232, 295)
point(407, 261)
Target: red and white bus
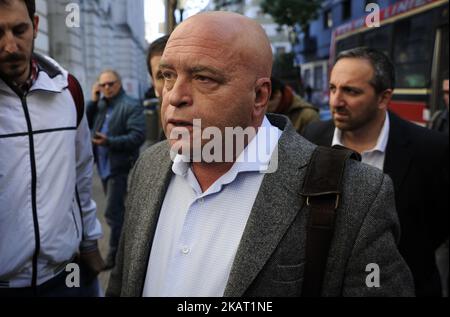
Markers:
point(414, 33)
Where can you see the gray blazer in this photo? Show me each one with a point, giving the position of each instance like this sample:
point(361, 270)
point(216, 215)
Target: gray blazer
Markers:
point(271, 255)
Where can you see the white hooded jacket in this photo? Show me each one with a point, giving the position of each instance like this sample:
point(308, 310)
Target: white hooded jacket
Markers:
point(46, 210)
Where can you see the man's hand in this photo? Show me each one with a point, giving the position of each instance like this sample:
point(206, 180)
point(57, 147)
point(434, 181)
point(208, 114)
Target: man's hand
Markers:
point(93, 262)
point(95, 93)
point(100, 139)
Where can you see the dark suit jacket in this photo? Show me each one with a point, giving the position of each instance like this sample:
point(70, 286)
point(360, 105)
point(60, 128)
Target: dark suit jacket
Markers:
point(126, 129)
point(271, 255)
point(417, 161)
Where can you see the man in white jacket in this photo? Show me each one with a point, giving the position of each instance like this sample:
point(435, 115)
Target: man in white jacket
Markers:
point(47, 217)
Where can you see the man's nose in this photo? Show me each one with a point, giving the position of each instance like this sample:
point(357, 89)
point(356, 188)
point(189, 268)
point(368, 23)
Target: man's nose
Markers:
point(336, 99)
point(180, 95)
point(10, 46)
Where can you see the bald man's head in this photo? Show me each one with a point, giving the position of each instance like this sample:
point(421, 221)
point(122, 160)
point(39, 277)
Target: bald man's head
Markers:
point(238, 37)
point(216, 67)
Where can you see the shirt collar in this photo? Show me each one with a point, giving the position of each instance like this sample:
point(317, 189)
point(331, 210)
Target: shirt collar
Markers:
point(381, 141)
point(256, 156)
point(32, 79)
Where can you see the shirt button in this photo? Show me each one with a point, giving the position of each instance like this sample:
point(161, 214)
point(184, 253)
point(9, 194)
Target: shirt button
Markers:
point(185, 250)
point(201, 201)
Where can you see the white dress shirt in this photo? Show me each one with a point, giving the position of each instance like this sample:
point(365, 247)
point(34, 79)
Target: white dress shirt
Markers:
point(198, 233)
point(374, 157)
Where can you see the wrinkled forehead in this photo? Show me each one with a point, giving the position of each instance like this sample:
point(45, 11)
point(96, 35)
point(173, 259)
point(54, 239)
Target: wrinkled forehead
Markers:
point(226, 39)
point(201, 48)
point(197, 41)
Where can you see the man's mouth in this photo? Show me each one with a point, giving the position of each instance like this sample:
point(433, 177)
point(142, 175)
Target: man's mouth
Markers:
point(180, 123)
point(9, 62)
point(12, 59)
point(340, 113)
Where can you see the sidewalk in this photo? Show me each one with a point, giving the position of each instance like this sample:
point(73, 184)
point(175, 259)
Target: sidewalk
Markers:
point(99, 197)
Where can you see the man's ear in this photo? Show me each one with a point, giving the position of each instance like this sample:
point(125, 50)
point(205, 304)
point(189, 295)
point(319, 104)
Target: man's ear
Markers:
point(263, 89)
point(35, 25)
point(384, 99)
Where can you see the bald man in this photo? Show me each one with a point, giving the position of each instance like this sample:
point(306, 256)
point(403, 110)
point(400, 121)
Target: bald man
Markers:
point(214, 215)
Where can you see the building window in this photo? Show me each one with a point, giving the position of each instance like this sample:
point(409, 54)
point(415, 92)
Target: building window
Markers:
point(346, 9)
point(307, 77)
point(318, 77)
point(327, 19)
point(413, 50)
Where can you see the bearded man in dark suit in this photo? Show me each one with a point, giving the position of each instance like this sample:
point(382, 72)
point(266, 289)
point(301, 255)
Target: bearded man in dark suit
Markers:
point(361, 86)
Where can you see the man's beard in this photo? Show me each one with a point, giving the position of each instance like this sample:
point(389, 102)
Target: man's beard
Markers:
point(13, 73)
point(359, 122)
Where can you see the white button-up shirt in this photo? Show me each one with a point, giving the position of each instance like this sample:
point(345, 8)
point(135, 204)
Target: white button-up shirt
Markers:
point(198, 233)
point(374, 157)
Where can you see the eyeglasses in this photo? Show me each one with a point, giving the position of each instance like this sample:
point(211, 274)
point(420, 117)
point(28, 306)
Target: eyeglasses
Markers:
point(109, 84)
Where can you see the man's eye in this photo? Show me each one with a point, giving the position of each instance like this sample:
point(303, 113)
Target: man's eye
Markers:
point(159, 76)
point(20, 30)
point(352, 92)
point(204, 79)
point(167, 75)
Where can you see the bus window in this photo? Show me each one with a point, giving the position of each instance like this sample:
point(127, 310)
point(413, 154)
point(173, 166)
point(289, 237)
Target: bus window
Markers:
point(413, 51)
point(442, 70)
point(378, 38)
point(348, 43)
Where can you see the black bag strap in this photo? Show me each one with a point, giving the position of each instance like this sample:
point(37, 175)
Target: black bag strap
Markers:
point(322, 188)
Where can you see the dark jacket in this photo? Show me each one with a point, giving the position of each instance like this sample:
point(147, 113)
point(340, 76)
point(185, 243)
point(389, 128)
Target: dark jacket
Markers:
point(298, 110)
point(126, 131)
point(417, 161)
point(302, 113)
point(270, 259)
point(440, 121)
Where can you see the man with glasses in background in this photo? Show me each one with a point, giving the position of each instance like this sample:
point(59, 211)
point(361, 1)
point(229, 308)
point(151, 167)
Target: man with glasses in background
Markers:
point(118, 128)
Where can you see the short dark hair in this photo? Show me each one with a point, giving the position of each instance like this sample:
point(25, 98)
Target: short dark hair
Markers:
point(384, 77)
point(31, 6)
point(277, 85)
point(156, 48)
